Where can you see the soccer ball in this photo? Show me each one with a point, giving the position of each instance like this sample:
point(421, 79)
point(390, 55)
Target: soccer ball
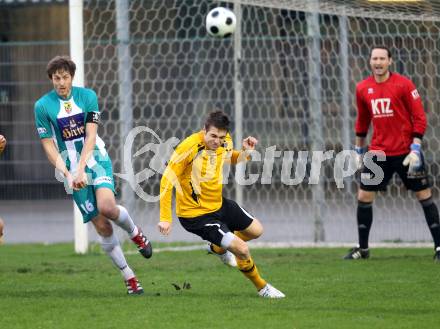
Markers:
point(220, 22)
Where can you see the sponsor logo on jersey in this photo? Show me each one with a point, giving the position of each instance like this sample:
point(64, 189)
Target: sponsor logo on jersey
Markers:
point(67, 107)
point(415, 94)
point(72, 127)
point(42, 130)
point(381, 107)
point(103, 180)
point(370, 91)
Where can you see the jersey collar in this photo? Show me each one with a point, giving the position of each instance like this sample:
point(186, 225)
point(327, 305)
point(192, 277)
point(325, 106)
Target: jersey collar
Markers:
point(379, 83)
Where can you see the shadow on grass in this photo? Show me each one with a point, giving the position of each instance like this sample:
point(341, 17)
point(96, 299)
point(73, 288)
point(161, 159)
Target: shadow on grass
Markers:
point(118, 293)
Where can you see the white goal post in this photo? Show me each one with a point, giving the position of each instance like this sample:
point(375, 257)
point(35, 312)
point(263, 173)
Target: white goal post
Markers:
point(287, 76)
point(77, 55)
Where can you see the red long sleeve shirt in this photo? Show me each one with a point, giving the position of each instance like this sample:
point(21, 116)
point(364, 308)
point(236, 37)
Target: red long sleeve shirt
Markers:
point(396, 111)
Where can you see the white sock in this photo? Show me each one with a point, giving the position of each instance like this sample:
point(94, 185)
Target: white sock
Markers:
point(125, 222)
point(113, 249)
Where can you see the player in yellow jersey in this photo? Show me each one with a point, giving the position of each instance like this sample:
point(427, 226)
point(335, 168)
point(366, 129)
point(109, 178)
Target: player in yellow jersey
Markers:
point(195, 170)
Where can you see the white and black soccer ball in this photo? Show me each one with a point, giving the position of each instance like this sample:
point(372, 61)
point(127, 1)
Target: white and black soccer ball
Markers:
point(220, 22)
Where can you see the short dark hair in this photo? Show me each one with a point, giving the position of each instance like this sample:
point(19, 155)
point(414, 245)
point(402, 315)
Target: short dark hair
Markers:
point(218, 119)
point(60, 63)
point(381, 47)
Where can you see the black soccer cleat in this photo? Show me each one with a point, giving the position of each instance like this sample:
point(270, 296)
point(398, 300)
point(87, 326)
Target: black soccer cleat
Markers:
point(437, 255)
point(358, 253)
point(143, 245)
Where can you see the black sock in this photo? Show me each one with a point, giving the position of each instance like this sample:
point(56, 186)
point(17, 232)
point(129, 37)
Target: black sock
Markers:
point(432, 219)
point(364, 220)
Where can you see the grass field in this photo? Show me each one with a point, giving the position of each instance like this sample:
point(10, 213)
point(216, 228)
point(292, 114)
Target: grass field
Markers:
point(51, 287)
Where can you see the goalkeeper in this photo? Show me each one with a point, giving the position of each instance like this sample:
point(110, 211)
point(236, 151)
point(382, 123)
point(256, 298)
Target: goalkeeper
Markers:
point(392, 104)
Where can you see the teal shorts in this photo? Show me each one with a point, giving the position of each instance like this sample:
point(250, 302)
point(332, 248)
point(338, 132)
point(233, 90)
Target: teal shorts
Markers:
point(101, 175)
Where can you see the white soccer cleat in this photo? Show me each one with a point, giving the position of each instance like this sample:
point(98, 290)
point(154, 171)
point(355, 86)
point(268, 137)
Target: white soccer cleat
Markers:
point(227, 258)
point(269, 291)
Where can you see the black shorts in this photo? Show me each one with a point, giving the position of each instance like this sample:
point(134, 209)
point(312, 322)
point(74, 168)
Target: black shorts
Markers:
point(213, 226)
point(394, 164)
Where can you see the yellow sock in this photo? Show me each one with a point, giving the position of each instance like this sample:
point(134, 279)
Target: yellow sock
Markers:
point(241, 236)
point(249, 269)
point(217, 249)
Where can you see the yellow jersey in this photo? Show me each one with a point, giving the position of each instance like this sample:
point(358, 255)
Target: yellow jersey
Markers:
point(197, 175)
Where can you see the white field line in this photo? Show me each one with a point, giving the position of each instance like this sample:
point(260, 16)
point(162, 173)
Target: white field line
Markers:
point(283, 245)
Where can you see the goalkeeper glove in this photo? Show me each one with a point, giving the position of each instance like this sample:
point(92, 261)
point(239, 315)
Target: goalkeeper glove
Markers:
point(414, 159)
point(360, 151)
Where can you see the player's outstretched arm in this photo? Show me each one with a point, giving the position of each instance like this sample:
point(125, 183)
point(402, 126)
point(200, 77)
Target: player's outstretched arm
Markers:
point(166, 192)
point(55, 158)
point(169, 181)
point(248, 145)
point(2, 143)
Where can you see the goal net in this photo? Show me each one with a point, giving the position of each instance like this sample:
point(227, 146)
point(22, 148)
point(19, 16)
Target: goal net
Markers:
point(287, 76)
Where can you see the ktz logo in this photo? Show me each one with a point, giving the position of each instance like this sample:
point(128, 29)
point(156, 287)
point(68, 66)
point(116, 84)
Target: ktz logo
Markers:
point(381, 107)
point(67, 107)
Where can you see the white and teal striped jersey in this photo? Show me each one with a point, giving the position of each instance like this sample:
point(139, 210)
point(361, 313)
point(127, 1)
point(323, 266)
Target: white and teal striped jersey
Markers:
point(64, 120)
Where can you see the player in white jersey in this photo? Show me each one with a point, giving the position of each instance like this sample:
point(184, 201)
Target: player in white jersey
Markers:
point(67, 122)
